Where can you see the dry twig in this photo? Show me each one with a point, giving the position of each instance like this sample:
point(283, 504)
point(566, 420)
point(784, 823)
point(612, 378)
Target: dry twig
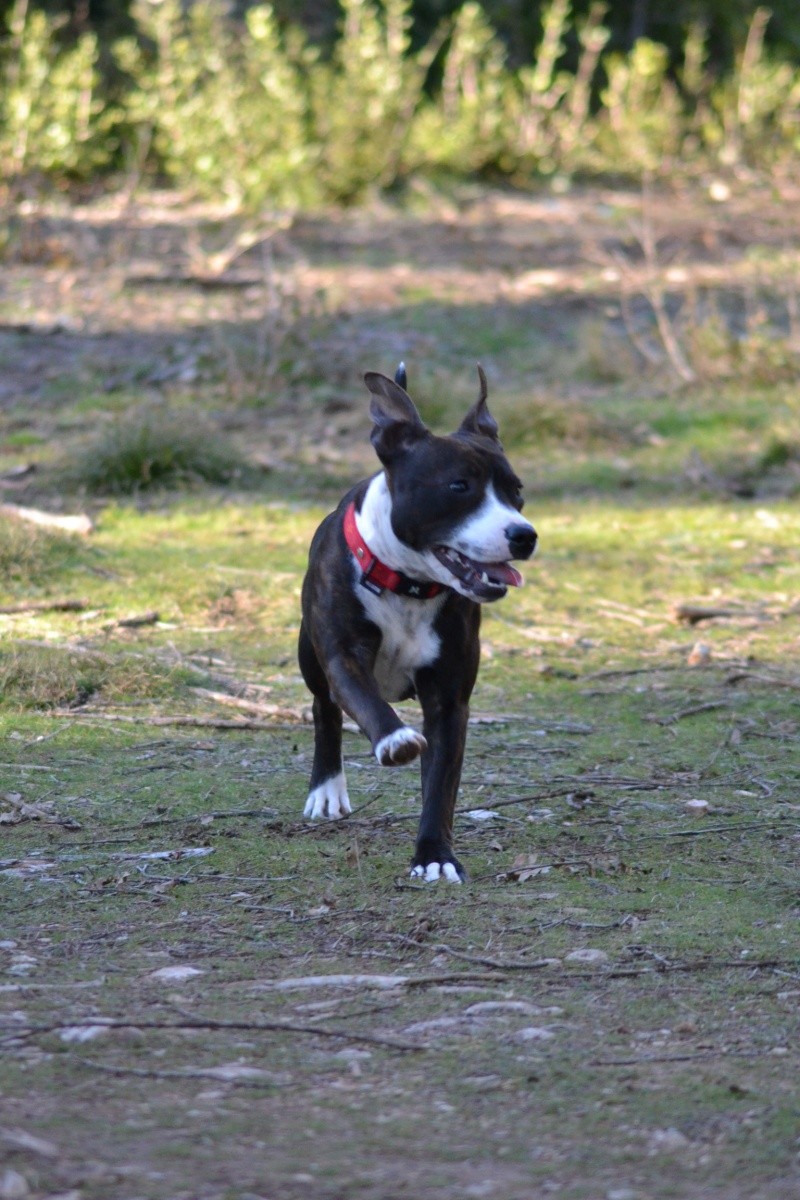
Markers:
point(44, 606)
point(286, 715)
point(79, 523)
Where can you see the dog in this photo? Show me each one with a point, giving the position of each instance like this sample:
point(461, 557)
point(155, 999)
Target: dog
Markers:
point(391, 604)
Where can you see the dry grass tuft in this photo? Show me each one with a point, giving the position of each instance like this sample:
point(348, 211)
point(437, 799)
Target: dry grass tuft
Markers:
point(153, 447)
point(47, 677)
point(29, 554)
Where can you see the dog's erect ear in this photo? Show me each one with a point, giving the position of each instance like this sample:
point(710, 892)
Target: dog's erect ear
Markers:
point(479, 420)
point(397, 424)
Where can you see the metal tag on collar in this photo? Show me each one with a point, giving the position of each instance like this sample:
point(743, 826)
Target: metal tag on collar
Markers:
point(371, 584)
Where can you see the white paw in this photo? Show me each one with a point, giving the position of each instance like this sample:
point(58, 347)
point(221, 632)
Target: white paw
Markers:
point(400, 747)
point(329, 800)
point(435, 871)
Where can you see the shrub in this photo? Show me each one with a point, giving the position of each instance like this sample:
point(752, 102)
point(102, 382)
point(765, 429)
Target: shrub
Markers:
point(52, 120)
point(250, 113)
point(227, 113)
point(30, 554)
point(152, 447)
point(365, 97)
point(550, 111)
point(464, 129)
point(754, 116)
point(44, 677)
point(640, 126)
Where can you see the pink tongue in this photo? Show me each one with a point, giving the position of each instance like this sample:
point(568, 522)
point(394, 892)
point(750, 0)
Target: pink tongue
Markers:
point(503, 573)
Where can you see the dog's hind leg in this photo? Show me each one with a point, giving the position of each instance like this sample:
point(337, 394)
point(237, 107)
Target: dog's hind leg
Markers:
point(327, 793)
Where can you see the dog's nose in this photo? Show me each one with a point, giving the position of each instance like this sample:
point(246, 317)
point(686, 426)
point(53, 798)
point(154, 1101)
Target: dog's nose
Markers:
point(521, 540)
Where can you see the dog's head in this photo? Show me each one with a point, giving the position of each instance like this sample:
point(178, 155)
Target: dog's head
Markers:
point(455, 500)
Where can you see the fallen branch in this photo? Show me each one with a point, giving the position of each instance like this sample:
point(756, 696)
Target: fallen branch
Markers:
point(658, 966)
point(72, 524)
point(207, 282)
point(494, 963)
point(258, 1078)
point(135, 622)
point(738, 676)
point(302, 982)
point(377, 982)
point(698, 1056)
point(44, 606)
point(191, 722)
point(147, 822)
point(706, 829)
point(692, 614)
point(689, 712)
point(252, 706)
point(199, 1023)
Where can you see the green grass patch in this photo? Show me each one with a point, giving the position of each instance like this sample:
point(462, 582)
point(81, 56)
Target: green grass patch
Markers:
point(30, 554)
point(43, 677)
point(152, 447)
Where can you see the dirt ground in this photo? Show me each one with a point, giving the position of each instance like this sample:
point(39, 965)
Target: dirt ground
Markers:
point(205, 997)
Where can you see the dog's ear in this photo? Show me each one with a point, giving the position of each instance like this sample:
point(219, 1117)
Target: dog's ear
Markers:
point(397, 424)
point(479, 420)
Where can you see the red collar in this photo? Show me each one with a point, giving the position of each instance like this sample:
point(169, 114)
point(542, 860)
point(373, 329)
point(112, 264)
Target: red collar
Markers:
point(375, 575)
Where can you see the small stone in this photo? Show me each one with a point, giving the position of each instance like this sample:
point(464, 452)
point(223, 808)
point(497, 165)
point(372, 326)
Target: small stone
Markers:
point(586, 955)
point(81, 1033)
point(435, 1025)
point(174, 974)
point(13, 1186)
point(230, 1072)
point(667, 1140)
point(534, 1033)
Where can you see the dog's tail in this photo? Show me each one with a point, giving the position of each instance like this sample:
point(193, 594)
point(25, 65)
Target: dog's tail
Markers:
point(400, 376)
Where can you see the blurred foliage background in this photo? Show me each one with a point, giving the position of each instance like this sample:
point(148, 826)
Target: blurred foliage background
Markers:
point(294, 105)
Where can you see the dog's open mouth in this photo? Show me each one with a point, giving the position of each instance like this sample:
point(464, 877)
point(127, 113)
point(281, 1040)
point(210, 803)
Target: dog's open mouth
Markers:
point(485, 581)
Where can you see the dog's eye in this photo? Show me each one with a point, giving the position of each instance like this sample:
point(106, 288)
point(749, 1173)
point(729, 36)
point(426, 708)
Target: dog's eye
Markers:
point(459, 485)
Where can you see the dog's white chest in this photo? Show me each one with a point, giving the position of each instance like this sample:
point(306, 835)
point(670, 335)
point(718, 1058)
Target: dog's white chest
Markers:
point(408, 639)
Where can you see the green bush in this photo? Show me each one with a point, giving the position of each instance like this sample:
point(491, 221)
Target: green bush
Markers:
point(53, 122)
point(365, 97)
point(30, 555)
point(152, 447)
point(251, 114)
point(227, 113)
point(754, 114)
point(45, 677)
point(464, 129)
point(640, 126)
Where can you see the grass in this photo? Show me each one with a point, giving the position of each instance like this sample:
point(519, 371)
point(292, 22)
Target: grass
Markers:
point(152, 447)
point(683, 1072)
point(43, 677)
point(31, 556)
point(131, 845)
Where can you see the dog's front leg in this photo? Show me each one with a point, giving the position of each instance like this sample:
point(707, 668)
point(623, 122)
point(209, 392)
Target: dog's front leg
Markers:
point(445, 730)
point(354, 687)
